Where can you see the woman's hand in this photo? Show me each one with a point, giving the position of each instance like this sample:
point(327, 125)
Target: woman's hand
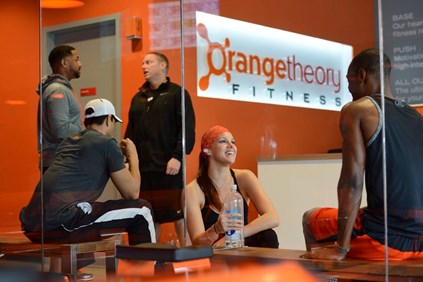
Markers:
point(227, 222)
point(221, 243)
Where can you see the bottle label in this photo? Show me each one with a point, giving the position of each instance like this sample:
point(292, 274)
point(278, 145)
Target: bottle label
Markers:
point(231, 232)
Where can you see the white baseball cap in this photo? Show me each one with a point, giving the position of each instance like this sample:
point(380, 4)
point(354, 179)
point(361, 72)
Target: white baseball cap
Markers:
point(101, 107)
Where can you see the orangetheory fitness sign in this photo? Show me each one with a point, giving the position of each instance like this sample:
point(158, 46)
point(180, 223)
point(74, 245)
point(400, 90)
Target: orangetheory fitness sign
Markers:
point(248, 62)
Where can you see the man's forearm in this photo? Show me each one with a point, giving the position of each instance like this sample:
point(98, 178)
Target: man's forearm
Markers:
point(134, 169)
point(349, 204)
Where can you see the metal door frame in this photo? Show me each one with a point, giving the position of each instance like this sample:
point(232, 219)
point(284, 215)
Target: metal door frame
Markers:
point(49, 43)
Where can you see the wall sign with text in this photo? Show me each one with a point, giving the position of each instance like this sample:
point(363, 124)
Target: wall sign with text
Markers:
point(247, 62)
point(402, 23)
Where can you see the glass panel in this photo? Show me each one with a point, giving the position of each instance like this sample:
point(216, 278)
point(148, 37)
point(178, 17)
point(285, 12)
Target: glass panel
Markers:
point(231, 58)
point(399, 36)
point(19, 162)
point(272, 72)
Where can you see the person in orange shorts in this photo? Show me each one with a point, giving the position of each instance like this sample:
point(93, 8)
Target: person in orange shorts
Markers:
point(351, 231)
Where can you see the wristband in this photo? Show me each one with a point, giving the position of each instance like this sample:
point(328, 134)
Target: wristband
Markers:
point(342, 250)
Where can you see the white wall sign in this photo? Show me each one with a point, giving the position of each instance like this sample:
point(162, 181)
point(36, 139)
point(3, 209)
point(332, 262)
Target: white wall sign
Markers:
point(248, 62)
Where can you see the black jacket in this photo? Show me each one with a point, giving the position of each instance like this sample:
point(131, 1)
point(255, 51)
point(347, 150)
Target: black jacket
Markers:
point(155, 125)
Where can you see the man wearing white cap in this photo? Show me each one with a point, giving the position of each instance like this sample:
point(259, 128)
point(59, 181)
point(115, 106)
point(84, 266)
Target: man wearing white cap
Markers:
point(84, 163)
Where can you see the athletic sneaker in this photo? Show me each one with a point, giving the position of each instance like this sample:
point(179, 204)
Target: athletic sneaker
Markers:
point(82, 276)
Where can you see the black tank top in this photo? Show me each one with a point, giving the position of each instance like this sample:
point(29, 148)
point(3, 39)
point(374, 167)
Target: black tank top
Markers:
point(404, 167)
point(210, 216)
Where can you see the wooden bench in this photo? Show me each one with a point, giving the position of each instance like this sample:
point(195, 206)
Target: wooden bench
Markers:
point(20, 248)
point(351, 269)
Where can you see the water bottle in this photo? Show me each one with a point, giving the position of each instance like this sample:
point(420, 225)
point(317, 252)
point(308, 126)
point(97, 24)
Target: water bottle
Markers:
point(172, 241)
point(234, 203)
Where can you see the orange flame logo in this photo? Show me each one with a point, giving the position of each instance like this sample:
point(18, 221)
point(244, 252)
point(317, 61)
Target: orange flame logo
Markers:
point(213, 46)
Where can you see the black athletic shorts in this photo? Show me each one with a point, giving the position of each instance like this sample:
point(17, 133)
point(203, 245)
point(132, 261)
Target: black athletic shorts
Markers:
point(164, 192)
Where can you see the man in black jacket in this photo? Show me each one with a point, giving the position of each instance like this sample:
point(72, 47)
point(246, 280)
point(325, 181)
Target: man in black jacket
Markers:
point(155, 126)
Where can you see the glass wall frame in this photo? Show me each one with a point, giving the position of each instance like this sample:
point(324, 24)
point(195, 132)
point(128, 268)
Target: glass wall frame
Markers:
point(264, 132)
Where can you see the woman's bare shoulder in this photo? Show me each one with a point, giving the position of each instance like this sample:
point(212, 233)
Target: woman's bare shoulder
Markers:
point(245, 178)
point(241, 173)
point(193, 185)
point(194, 193)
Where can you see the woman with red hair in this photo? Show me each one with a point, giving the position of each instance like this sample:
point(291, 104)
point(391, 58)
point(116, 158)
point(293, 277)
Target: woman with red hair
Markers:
point(205, 195)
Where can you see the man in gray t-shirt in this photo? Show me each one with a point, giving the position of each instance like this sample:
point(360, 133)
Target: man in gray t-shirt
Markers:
point(76, 179)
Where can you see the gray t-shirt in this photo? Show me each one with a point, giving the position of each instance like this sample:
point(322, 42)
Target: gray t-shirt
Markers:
point(79, 173)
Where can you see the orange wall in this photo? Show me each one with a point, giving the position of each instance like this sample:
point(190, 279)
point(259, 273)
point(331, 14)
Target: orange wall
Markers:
point(296, 130)
point(19, 26)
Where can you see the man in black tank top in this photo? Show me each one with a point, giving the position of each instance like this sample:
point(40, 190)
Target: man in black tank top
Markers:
point(359, 233)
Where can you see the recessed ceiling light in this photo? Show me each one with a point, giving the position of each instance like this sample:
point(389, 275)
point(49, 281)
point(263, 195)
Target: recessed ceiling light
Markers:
point(61, 4)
